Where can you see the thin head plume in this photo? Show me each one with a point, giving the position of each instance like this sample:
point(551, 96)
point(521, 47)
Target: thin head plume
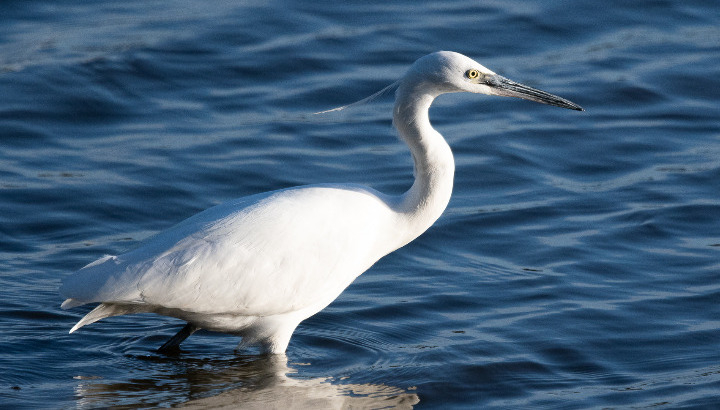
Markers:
point(316, 118)
point(363, 101)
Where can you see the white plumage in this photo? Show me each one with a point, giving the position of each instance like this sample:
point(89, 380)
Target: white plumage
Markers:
point(257, 266)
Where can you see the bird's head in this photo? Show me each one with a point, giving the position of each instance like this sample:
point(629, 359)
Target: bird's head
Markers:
point(447, 72)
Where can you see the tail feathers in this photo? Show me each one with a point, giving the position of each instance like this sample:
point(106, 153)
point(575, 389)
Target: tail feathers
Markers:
point(102, 311)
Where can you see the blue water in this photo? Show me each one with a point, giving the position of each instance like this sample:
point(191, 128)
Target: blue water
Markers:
point(577, 265)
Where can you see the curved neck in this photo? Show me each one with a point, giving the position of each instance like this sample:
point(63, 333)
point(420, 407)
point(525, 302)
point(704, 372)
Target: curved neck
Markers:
point(429, 195)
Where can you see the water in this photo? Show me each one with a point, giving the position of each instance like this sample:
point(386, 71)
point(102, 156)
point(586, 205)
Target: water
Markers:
point(576, 266)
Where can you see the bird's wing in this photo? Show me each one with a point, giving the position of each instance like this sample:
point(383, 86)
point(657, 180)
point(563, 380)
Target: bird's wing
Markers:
point(262, 255)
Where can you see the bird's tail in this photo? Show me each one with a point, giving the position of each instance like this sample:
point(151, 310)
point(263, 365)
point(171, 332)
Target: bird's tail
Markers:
point(104, 310)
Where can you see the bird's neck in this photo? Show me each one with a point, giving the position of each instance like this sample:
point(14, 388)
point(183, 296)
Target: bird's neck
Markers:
point(429, 195)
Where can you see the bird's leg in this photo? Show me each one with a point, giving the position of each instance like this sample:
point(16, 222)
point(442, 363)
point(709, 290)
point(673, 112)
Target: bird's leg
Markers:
point(173, 345)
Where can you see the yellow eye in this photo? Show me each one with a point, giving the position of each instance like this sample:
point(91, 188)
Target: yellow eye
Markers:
point(472, 73)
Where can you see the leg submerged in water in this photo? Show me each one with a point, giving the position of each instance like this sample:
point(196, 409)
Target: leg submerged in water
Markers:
point(173, 345)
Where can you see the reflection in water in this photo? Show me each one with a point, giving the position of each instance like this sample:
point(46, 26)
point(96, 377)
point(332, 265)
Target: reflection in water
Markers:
point(249, 382)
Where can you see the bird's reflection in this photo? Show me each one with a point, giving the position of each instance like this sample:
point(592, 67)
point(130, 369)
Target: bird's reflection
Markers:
point(248, 382)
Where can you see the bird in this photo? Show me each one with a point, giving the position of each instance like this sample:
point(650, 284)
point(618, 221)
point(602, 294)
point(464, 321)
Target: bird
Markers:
point(257, 266)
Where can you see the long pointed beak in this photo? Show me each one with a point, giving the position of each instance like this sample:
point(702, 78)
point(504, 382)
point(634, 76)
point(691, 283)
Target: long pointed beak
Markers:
point(507, 88)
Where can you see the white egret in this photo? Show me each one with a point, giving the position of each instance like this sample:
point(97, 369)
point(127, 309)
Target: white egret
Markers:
point(259, 265)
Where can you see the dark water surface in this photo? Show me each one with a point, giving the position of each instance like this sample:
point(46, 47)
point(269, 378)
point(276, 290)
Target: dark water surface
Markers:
point(577, 265)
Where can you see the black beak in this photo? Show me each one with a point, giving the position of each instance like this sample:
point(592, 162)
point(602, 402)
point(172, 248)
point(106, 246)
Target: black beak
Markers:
point(507, 88)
